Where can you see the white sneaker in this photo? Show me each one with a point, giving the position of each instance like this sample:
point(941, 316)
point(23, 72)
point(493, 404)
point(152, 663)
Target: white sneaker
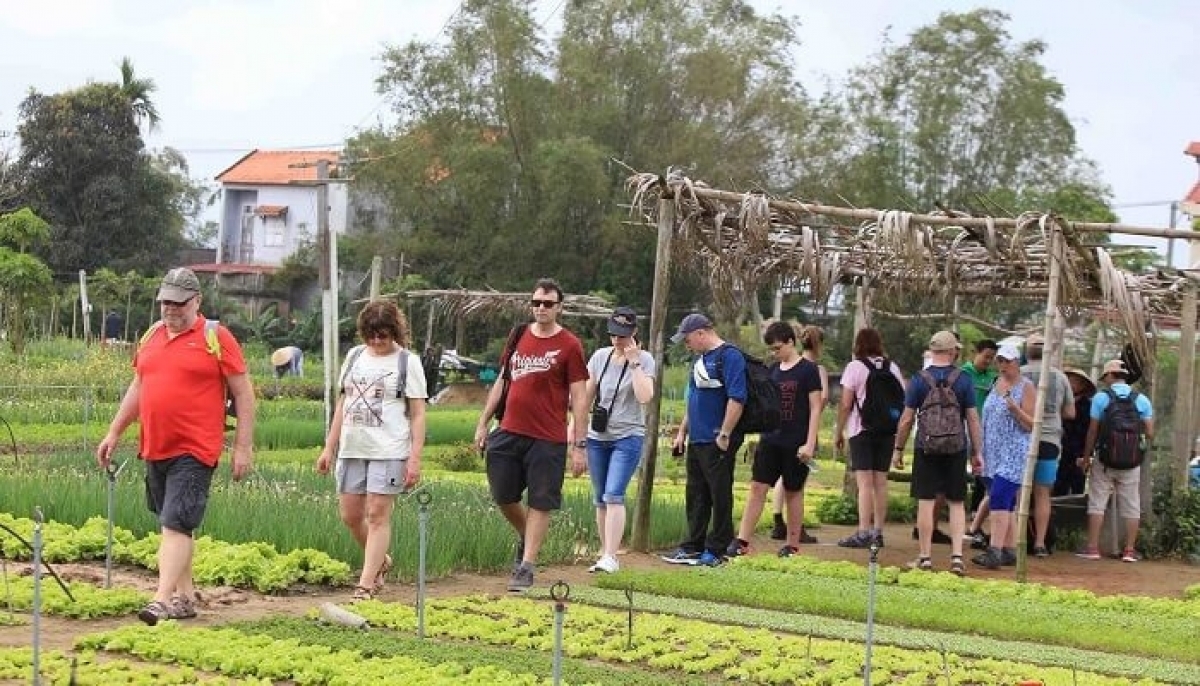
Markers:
point(606, 563)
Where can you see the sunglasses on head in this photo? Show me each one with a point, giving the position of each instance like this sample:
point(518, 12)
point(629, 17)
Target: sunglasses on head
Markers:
point(543, 303)
point(177, 303)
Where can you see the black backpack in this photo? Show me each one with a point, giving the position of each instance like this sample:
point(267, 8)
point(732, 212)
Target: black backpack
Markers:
point(1121, 432)
point(884, 402)
point(761, 413)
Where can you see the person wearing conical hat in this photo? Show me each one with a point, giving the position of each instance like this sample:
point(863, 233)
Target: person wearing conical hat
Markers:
point(288, 361)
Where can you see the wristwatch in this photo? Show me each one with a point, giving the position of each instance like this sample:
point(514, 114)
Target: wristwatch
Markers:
point(581, 443)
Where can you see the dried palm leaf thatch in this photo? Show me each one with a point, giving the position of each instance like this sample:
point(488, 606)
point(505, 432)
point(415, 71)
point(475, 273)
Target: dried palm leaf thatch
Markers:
point(743, 241)
point(454, 303)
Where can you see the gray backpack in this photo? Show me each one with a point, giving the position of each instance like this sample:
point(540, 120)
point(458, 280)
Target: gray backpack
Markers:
point(940, 421)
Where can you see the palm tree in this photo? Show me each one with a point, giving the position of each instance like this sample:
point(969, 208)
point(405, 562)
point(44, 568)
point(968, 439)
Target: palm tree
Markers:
point(137, 92)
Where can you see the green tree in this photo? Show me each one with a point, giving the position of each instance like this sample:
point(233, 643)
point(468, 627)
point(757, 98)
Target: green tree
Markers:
point(84, 169)
point(501, 170)
point(136, 92)
point(23, 277)
point(958, 113)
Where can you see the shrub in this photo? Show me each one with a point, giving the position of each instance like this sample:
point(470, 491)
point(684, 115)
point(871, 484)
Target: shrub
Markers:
point(840, 509)
point(460, 457)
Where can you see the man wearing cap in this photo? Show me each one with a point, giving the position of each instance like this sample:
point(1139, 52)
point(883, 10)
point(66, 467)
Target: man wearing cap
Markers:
point(1106, 482)
point(940, 473)
point(621, 383)
point(716, 395)
point(526, 456)
point(1060, 405)
point(178, 397)
point(288, 361)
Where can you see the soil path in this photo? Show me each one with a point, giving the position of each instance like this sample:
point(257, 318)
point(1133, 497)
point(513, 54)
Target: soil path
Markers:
point(1151, 578)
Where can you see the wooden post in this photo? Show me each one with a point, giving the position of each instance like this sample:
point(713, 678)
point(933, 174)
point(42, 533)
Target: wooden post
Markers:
point(1185, 394)
point(327, 271)
point(862, 320)
point(85, 308)
point(429, 324)
point(376, 276)
point(640, 536)
point(1044, 380)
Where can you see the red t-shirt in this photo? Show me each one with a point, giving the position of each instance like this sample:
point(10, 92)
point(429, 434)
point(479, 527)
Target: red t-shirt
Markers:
point(181, 406)
point(543, 370)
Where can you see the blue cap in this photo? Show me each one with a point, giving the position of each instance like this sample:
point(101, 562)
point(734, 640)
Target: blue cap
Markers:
point(693, 322)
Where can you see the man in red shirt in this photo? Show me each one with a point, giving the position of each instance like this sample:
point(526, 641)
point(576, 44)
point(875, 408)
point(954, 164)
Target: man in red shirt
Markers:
point(178, 396)
point(544, 373)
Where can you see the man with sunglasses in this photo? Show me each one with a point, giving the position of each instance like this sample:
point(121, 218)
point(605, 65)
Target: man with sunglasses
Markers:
point(545, 376)
point(178, 396)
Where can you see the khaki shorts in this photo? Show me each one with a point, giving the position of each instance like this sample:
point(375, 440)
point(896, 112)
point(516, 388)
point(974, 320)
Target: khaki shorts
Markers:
point(1125, 483)
point(359, 477)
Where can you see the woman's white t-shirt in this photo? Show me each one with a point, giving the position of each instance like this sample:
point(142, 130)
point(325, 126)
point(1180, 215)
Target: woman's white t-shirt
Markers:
point(375, 422)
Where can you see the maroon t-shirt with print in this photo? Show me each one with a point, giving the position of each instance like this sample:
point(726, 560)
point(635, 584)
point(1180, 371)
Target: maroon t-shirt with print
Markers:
point(543, 370)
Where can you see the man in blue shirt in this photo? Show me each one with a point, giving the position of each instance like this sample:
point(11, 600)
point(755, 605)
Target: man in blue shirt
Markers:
point(716, 394)
point(1106, 482)
point(937, 472)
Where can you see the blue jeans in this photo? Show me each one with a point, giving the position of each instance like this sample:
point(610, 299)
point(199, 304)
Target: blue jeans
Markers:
point(611, 465)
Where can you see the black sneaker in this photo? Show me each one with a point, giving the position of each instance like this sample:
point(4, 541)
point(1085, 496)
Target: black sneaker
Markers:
point(1008, 557)
point(779, 531)
point(858, 539)
point(806, 537)
point(737, 548)
point(681, 556)
point(522, 578)
point(940, 537)
point(1041, 551)
point(788, 551)
point(979, 541)
point(989, 558)
point(877, 539)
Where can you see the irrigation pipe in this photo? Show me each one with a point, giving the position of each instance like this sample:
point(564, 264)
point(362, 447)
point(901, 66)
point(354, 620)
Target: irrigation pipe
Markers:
point(559, 592)
point(108, 543)
point(424, 498)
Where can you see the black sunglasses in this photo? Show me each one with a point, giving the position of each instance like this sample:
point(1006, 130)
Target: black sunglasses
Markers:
point(543, 303)
point(177, 303)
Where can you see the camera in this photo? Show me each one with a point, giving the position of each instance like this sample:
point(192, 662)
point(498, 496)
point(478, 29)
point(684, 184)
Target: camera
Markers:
point(599, 418)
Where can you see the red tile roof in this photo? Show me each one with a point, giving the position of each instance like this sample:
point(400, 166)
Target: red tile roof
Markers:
point(1193, 149)
point(277, 167)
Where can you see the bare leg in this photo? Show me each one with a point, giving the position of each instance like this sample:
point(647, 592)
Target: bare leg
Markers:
point(865, 480)
point(515, 514)
point(1095, 521)
point(378, 526)
point(1041, 514)
point(985, 506)
point(353, 509)
point(925, 515)
point(880, 483)
point(614, 528)
point(778, 496)
point(958, 525)
point(754, 507)
point(1131, 532)
point(537, 523)
point(174, 563)
point(602, 527)
point(795, 516)
point(1000, 528)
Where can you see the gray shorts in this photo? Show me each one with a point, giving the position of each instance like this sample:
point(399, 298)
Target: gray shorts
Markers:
point(360, 476)
point(177, 491)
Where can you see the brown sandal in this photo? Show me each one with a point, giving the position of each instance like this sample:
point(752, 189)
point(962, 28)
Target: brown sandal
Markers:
point(362, 593)
point(381, 576)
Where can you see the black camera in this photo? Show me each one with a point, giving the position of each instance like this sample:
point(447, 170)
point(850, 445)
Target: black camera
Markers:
point(599, 418)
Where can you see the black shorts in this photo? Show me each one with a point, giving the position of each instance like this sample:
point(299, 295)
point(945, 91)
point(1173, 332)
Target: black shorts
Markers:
point(939, 474)
point(772, 461)
point(871, 453)
point(177, 491)
point(518, 463)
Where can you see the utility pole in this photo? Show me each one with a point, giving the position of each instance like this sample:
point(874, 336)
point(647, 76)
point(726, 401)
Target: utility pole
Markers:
point(1171, 241)
point(327, 268)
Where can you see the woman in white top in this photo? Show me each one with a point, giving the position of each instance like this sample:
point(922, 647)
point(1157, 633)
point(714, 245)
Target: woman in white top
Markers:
point(621, 382)
point(377, 434)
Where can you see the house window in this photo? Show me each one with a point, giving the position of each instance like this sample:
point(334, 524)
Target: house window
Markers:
point(302, 233)
point(274, 233)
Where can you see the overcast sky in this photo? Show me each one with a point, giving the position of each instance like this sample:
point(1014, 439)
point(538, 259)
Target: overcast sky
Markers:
point(234, 75)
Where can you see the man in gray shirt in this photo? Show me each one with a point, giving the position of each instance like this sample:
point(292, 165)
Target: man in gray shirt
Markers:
point(1060, 404)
